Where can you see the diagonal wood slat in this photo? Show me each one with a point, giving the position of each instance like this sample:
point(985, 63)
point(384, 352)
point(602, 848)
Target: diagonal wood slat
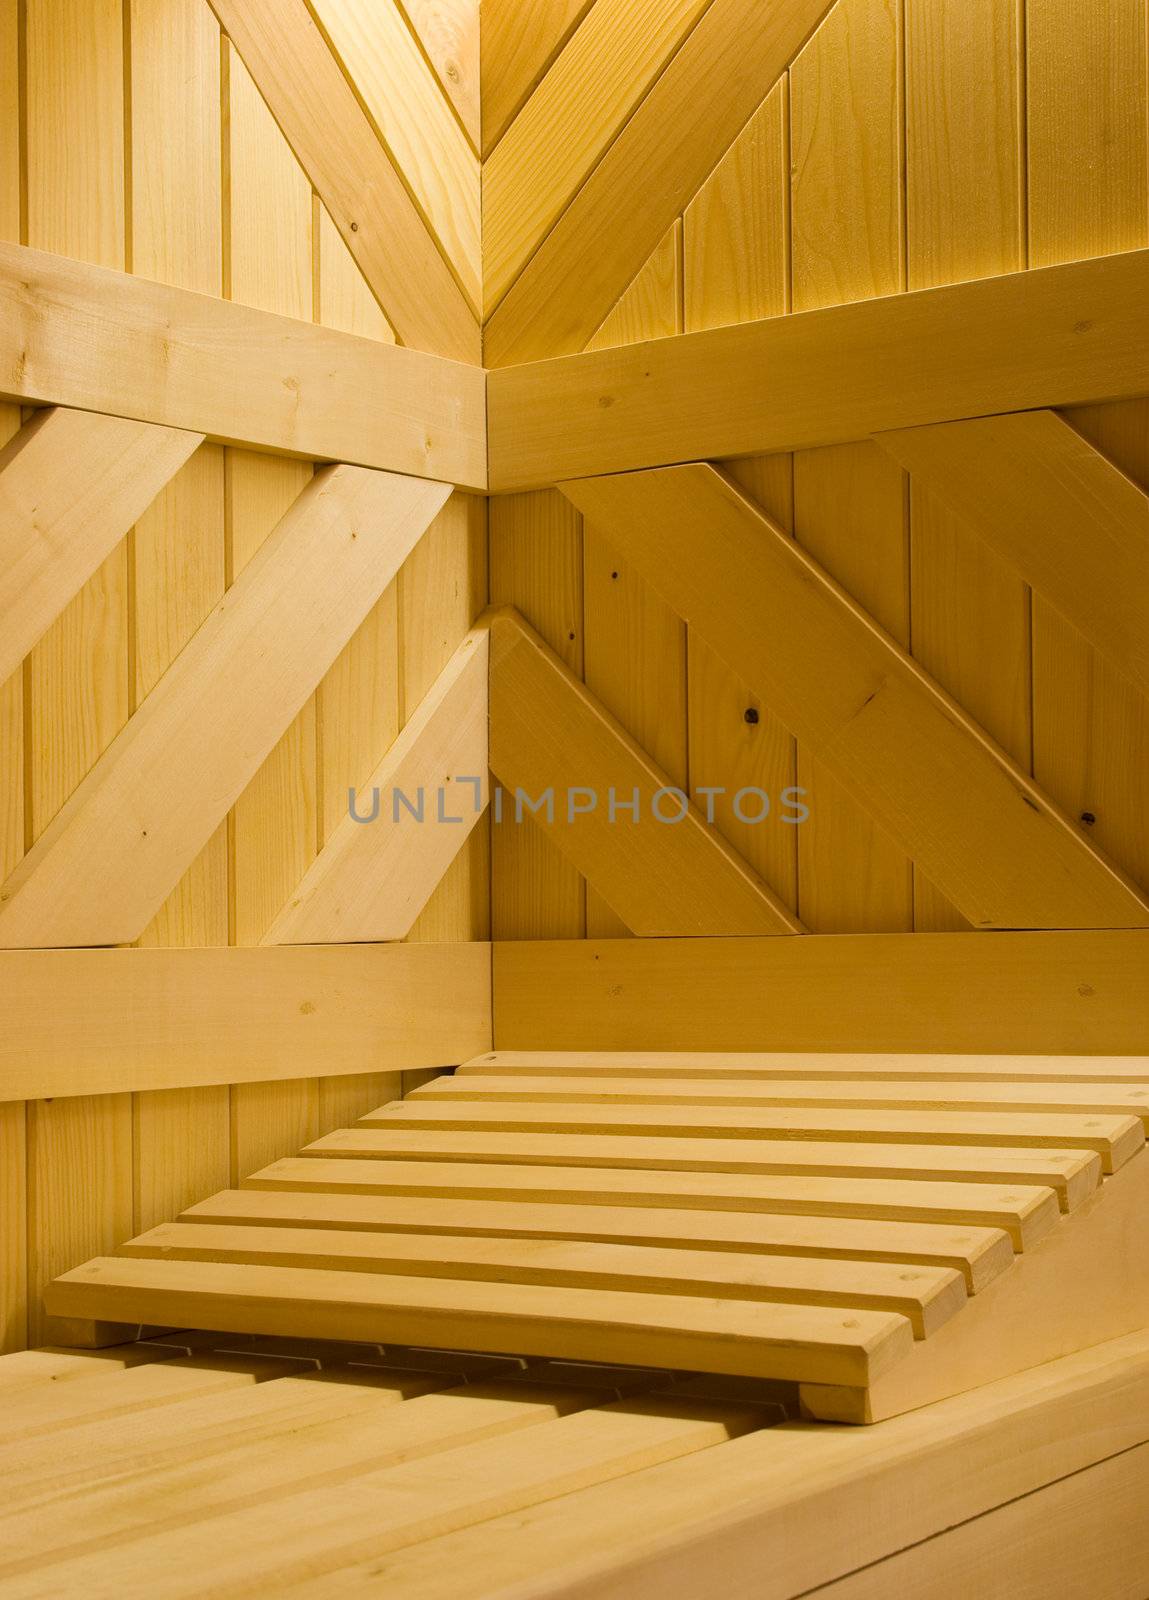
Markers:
point(335, 143)
point(1061, 335)
point(979, 828)
point(78, 335)
point(662, 157)
point(1075, 527)
point(371, 879)
point(519, 40)
point(104, 866)
point(72, 483)
point(448, 31)
point(549, 734)
point(418, 127)
point(569, 121)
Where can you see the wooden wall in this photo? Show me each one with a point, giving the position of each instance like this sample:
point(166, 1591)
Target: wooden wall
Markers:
point(132, 135)
point(910, 143)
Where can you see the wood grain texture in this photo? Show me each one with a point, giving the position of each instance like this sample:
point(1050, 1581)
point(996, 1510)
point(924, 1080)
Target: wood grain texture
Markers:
point(965, 151)
point(557, 139)
point(1115, 1139)
point(1055, 992)
point(846, 128)
point(78, 336)
point(837, 695)
point(172, 1019)
point(1026, 1212)
point(76, 886)
point(375, 874)
point(1088, 80)
point(706, 1524)
point(596, 1324)
point(816, 1067)
point(928, 1297)
point(1073, 525)
point(325, 124)
point(1070, 1532)
point(1073, 1175)
point(965, 219)
point(394, 81)
point(979, 1254)
point(737, 227)
point(1062, 336)
point(537, 566)
point(448, 31)
point(650, 173)
point(1033, 1322)
point(71, 486)
point(1107, 1099)
point(634, 647)
point(518, 42)
point(548, 735)
point(180, 1136)
point(77, 681)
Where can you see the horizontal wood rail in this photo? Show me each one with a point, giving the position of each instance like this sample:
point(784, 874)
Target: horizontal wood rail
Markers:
point(77, 335)
point(1056, 993)
point(975, 823)
point(1058, 336)
point(81, 1022)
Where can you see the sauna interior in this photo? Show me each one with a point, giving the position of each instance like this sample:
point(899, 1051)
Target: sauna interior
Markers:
point(574, 799)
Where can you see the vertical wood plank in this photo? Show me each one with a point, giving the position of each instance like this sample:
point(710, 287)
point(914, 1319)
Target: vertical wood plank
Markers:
point(13, 1228)
point(442, 588)
point(849, 507)
point(736, 245)
point(274, 827)
point(846, 137)
point(1089, 195)
point(79, 1151)
point(965, 176)
point(736, 268)
point(79, 1189)
point(965, 219)
point(345, 301)
point(358, 702)
point(536, 565)
point(13, 1177)
point(1088, 162)
point(635, 645)
point(649, 308)
point(181, 1137)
